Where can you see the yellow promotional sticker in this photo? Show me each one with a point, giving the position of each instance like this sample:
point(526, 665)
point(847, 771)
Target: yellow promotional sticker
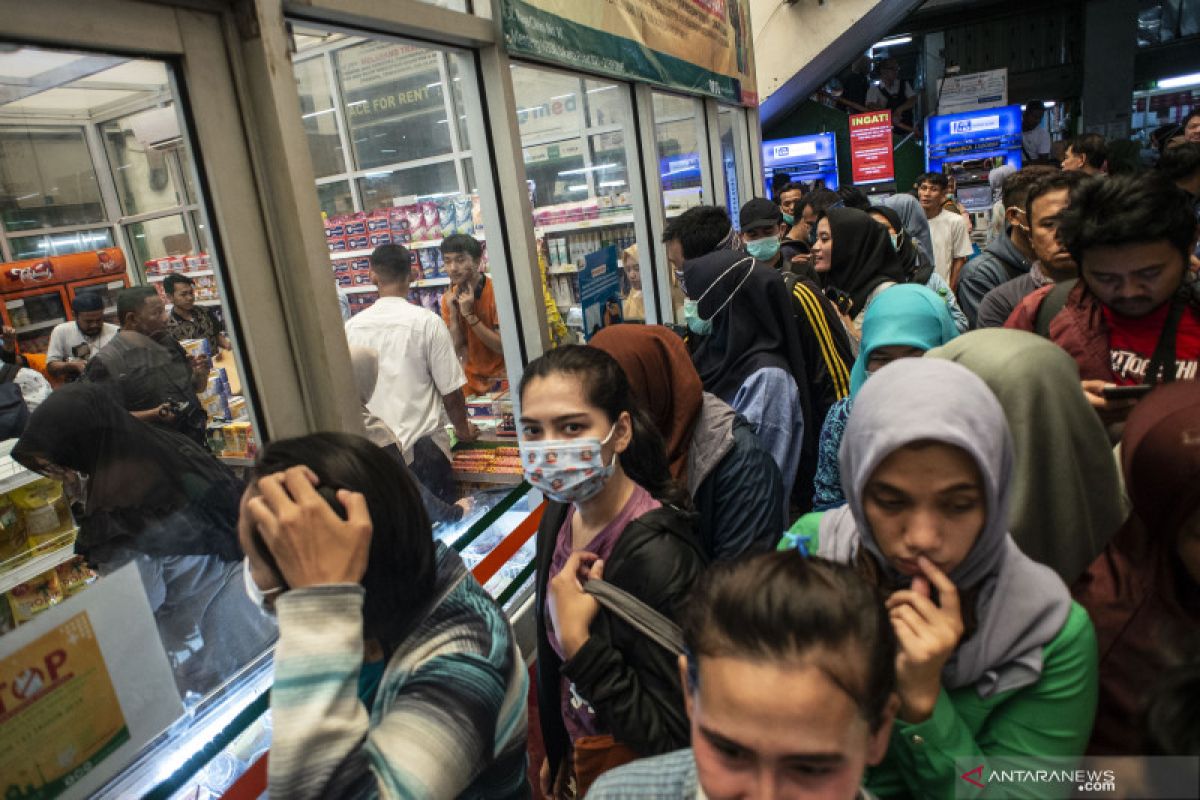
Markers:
point(59, 713)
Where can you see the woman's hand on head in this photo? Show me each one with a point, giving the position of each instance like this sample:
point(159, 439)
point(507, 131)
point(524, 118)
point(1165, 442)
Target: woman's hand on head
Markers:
point(927, 634)
point(312, 545)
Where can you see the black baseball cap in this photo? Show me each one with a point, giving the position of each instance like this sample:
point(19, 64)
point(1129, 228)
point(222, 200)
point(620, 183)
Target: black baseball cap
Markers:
point(758, 213)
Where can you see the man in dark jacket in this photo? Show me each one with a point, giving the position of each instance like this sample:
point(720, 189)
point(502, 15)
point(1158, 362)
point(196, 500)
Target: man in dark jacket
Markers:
point(1134, 315)
point(1009, 256)
point(1052, 262)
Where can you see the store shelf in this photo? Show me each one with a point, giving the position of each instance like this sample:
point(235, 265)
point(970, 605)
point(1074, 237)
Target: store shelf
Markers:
point(495, 478)
point(35, 566)
point(366, 253)
point(13, 475)
point(370, 287)
point(584, 224)
point(200, 273)
point(38, 326)
point(569, 269)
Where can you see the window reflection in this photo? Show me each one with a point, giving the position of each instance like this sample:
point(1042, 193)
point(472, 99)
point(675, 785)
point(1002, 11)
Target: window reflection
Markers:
point(678, 134)
point(49, 179)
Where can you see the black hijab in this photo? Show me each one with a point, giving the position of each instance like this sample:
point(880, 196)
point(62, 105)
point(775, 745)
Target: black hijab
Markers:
point(863, 256)
point(917, 269)
point(149, 489)
point(753, 330)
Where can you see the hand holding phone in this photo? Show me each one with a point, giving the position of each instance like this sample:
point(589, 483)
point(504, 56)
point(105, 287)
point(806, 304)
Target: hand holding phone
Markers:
point(1135, 392)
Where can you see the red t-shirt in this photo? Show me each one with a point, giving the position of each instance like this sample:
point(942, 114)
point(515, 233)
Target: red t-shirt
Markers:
point(1131, 343)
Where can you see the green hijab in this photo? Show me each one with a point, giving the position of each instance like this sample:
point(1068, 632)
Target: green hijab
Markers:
point(1067, 499)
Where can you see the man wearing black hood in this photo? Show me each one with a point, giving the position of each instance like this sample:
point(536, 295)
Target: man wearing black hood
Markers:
point(1009, 256)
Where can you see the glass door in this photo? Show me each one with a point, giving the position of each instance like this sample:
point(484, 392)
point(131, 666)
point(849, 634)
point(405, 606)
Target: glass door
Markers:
point(682, 146)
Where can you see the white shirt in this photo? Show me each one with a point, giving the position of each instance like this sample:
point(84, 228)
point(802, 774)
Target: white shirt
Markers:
point(66, 337)
point(1036, 142)
point(34, 388)
point(875, 94)
point(950, 241)
point(417, 366)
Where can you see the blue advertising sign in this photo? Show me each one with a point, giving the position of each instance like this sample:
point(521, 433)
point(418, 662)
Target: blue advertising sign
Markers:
point(803, 158)
point(600, 291)
point(974, 136)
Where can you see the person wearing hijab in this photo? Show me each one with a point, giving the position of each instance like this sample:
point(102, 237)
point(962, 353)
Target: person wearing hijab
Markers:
point(855, 258)
point(734, 484)
point(994, 657)
point(913, 219)
point(365, 362)
point(918, 268)
point(904, 322)
point(747, 351)
point(1143, 592)
point(1066, 495)
point(153, 497)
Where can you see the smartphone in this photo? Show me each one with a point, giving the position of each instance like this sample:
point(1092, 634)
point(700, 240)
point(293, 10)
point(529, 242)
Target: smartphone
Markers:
point(1126, 392)
point(330, 495)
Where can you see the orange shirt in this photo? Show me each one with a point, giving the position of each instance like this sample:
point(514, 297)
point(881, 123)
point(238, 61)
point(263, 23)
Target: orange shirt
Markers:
point(484, 367)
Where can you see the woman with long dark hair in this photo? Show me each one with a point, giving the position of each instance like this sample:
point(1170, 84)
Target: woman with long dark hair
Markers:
point(395, 673)
point(606, 693)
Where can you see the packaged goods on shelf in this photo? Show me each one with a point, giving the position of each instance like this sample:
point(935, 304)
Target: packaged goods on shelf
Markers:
point(491, 460)
point(74, 575)
point(13, 540)
point(43, 507)
point(197, 262)
point(35, 596)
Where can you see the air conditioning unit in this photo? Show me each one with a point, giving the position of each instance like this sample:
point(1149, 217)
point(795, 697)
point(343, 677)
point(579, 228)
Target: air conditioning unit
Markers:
point(156, 128)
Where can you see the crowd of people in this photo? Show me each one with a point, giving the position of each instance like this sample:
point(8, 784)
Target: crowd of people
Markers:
point(875, 507)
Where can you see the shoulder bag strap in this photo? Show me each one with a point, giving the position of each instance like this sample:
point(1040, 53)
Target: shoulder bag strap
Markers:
point(1052, 303)
point(1162, 364)
point(641, 617)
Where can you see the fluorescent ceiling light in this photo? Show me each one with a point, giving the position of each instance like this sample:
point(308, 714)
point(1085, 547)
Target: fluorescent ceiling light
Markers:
point(892, 42)
point(563, 96)
point(577, 187)
point(318, 113)
point(585, 170)
point(611, 183)
point(602, 89)
point(1179, 80)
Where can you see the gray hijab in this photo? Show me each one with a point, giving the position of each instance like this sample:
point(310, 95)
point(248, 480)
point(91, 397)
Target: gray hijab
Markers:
point(912, 216)
point(1021, 604)
point(1067, 500)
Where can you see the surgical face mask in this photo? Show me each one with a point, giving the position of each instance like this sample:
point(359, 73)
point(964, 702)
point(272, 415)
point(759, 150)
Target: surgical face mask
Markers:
point(763, 249)
point(257, 595)
point(691, 308)
point(790, 219)
point(568, 470)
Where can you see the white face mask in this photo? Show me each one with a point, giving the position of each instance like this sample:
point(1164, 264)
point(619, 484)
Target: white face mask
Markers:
point(265, 600)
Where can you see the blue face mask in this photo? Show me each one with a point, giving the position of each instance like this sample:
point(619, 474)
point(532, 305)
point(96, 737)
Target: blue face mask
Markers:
point(691, 308)
point(763, 249)
point(788, 218)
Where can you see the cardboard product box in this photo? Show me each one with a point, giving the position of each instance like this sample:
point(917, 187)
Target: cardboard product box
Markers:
point(340, 265)
point(358, 242)
point(337, 244)
point(334, 229)
point(195, 347)
point(344, 280)
point(377, 239)
point(35, 596)
point(360, 264)
point(377, 222)
point(356, 226)
point(362, 279)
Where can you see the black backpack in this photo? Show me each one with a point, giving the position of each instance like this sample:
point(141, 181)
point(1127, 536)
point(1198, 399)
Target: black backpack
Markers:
point(14, 414)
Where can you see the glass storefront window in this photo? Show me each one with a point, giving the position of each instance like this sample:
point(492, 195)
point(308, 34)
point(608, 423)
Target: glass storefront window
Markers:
point(576, 134)
point(394, 103)
point(158, 238)
point(49, 179)
point(60, 244)
point(735, 157)
point(677, 132)
point(318, 113)
point(381, 189)
point(141, 170)
point(335, 198)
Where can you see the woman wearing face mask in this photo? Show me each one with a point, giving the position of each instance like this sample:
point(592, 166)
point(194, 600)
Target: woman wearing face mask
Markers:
point(1066, 496)
point(1144, 590)
point(917, 267)
point(994, 658)
point(396, 674)
point(153, 497)
point(606, 693)
point(749, 352)
point(913, 220)
point(904, 322)
point(732, 480)
point(854, 257)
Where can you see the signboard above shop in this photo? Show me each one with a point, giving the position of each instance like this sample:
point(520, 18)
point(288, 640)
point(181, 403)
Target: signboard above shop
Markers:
point(698, 46)
point(973, 92)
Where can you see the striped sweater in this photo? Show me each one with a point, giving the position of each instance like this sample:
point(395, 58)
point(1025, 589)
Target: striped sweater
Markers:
point(449, 716)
